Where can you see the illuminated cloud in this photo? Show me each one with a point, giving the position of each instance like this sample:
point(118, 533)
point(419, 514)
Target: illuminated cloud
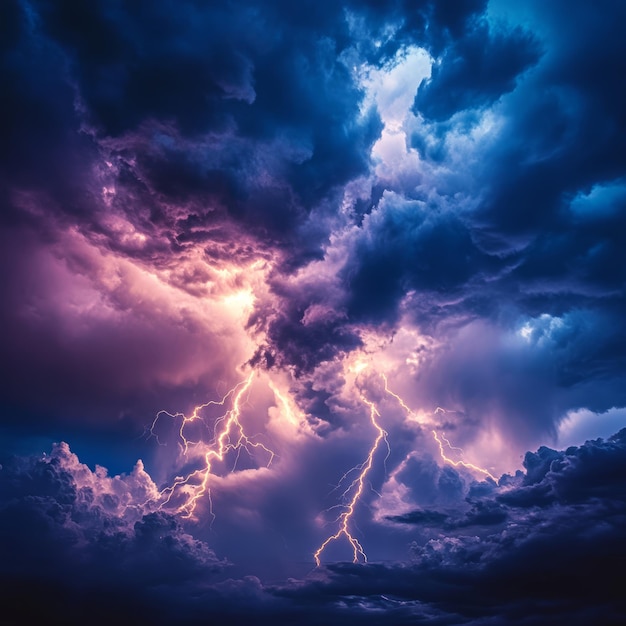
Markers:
point(546, 529)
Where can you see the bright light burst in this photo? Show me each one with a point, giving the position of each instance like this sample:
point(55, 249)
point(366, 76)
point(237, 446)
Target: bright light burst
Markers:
point(228, 436)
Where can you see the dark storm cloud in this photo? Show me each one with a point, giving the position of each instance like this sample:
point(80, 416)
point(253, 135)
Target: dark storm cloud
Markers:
point(543, 546)
point(526, 377)
point(553, 538)
point(42, 147)
point(476, 70)
point(219, 126)
point(432, 25)
point(408, 245)
point(428, 483)
point(564, 125)
point(579, 474)
point(194, 110)
point(67, 531)
point(246, 73)
point(147, 60)
point(297, 336)
point(550, 180)
point(560, 147)
point(304, 347)
point(256, 70)
point(516, 219)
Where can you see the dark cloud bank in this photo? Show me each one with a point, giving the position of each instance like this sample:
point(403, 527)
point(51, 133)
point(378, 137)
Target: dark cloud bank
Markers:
point(234, 129)
point(545, 546)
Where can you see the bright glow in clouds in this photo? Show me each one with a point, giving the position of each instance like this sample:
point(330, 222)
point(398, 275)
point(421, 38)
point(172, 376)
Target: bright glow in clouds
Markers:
point(540, 330)
point(441, 439)
point(229, 436)
point(212, 437)
point(584, 425)
point(212, 443)
point(393, 89)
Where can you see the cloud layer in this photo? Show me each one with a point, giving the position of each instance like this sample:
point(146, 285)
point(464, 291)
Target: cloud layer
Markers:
point(541, 546)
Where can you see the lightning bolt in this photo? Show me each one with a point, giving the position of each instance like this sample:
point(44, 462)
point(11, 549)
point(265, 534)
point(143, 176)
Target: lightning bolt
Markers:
point(288, 411)
point(228, 436)
point(396, 396)
point(356, 487)
point(447, 442)
point(440, 439)
point(462, 463)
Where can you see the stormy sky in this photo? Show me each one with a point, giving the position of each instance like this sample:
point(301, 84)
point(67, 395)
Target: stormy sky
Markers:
point(313, 312)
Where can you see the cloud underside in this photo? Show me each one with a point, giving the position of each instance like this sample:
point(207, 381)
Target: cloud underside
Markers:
point(169, 150)
point(542, 546)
